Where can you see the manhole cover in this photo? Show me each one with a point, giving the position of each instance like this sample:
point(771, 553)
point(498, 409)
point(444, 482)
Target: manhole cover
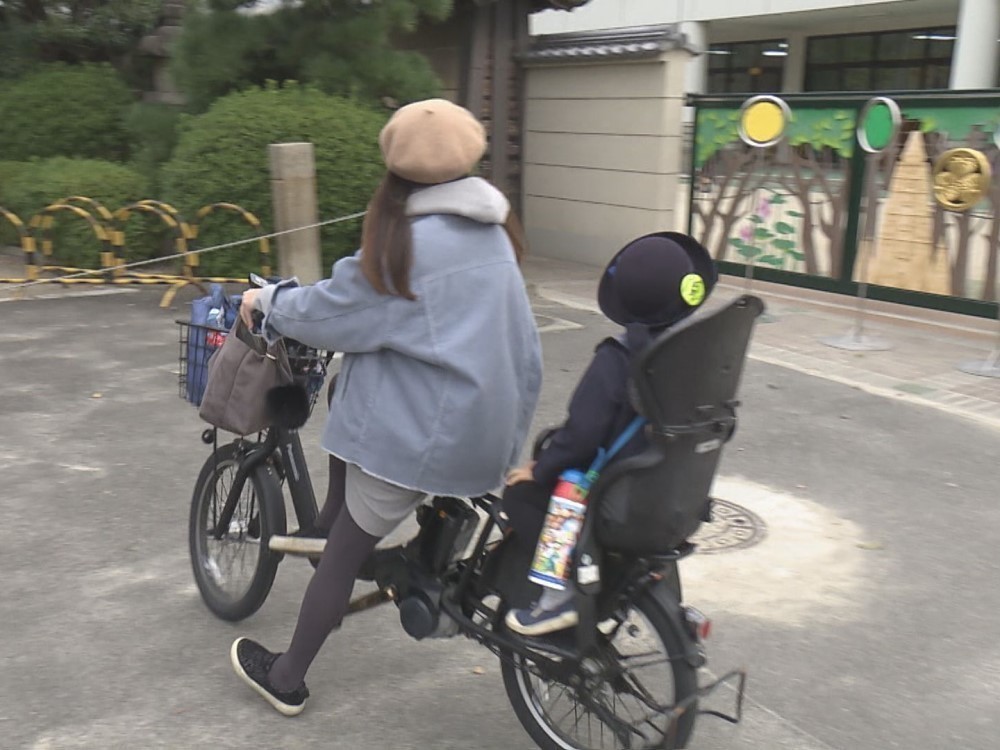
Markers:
point(732, 527)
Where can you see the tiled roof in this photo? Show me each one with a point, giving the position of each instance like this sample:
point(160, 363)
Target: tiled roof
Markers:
point(629, 43)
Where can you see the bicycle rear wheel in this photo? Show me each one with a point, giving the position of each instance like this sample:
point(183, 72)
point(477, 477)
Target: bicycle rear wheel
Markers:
point(639, 676)
point(235, 572)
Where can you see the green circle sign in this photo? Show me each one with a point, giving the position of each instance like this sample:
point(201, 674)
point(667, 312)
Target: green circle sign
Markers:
point(879, 126)
point(879, 123)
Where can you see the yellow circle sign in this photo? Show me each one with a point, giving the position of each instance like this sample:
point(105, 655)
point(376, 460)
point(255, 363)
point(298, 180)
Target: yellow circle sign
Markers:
point(693, 289)
point(763, 120)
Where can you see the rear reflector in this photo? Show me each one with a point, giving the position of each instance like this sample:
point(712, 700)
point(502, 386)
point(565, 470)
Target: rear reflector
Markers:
point(699, 624)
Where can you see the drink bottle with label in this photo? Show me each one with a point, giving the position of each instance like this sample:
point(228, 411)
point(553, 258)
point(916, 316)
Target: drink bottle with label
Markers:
point(553, 559)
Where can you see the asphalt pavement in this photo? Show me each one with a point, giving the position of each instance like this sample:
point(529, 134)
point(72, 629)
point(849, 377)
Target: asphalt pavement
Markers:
point(865, 608)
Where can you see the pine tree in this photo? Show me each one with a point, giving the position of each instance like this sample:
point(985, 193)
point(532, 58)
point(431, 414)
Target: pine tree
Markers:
point(342, 46)
point(71, 31)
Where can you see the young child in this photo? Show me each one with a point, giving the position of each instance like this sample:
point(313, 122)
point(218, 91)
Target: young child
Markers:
point(652, 283)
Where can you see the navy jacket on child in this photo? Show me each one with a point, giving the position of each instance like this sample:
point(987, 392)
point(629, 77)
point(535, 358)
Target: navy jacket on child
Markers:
point(599, 411)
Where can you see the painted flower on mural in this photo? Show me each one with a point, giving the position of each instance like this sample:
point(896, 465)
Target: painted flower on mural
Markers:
point(767, 243)
point(764, 210)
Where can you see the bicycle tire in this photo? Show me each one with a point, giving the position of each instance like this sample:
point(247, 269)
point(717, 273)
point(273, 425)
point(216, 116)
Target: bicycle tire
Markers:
point(537, 723)
point(265, 504)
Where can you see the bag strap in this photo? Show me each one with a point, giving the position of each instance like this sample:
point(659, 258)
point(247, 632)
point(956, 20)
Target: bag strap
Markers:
point(605, 455)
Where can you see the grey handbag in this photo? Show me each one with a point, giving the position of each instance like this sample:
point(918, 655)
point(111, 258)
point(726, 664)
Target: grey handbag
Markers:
point(241, 374)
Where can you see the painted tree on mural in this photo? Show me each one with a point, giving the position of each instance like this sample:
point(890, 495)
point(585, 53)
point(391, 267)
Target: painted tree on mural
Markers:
point(819, 141)
point(958, 230)
point(723, 171)
point(810, 166)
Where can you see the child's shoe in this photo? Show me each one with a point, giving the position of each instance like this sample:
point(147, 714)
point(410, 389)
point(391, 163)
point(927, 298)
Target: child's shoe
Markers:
point(539, 621)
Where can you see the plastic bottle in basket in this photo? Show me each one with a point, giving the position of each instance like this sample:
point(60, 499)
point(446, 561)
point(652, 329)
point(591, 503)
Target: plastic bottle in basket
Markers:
point(216, 319)
point(563, 522)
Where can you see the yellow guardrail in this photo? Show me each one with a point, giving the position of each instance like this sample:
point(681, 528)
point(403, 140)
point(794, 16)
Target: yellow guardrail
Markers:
point(263, 245)
point(109, 228)
point(43, 222)
point(24, 237)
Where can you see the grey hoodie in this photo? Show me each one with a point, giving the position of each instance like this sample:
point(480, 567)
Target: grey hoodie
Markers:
point(435, 394)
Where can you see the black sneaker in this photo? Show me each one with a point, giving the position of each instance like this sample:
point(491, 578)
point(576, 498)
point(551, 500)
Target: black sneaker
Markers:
point(252, 662)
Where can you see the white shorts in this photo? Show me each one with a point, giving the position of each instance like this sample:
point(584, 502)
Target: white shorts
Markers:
point(378, 506)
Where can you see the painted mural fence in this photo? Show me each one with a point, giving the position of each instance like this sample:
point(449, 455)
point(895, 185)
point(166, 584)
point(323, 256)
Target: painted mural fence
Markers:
point(817, 210)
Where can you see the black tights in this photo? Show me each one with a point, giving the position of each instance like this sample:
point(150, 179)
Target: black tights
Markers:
point(329, 591)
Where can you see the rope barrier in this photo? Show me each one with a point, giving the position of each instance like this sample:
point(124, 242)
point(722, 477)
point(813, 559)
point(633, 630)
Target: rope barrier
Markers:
point(83, 274)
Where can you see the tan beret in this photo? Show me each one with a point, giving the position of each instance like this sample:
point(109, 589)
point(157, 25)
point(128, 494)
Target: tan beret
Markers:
point(432, 141)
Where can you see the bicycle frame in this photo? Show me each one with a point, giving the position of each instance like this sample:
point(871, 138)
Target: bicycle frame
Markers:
point(291, 466)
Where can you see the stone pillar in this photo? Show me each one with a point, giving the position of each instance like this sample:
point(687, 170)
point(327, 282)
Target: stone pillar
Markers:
point(293, 195)
point(696, 68)
point(158, 45)
point(794, 79)
point(974, 62)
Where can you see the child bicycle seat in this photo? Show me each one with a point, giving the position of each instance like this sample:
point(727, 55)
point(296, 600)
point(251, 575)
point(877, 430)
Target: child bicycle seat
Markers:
point(685, 383)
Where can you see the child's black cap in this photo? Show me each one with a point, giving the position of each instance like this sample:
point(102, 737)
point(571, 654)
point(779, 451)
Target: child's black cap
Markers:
point(656, 280)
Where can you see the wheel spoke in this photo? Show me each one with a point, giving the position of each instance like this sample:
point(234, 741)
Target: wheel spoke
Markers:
point(648, 664)
point(231, 560)
point(572, 708)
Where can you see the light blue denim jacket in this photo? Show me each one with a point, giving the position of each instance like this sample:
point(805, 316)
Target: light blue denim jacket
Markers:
point(435, 394)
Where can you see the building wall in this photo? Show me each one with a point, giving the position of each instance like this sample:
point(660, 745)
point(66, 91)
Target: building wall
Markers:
point(602, 154)
point(714, 22)
point(609, 14)
point(733, 32)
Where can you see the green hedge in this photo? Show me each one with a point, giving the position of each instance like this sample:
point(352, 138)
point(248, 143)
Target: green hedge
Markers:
point(27, 187)
point(152, 133)
point(221, 155)
point(61, 110)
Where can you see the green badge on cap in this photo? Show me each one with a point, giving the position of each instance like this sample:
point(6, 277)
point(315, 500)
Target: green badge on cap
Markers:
point(693, 289)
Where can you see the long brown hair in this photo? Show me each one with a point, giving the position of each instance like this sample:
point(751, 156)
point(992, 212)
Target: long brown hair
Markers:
point(387, 241)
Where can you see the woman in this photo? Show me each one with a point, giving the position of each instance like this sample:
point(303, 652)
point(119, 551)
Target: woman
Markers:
point(441, 369)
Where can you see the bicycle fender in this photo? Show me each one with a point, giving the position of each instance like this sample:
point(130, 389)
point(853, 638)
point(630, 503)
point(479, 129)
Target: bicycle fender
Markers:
point(662, 594)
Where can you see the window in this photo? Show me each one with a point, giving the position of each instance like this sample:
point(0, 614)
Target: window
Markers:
point(746, 67)
point(913, 59)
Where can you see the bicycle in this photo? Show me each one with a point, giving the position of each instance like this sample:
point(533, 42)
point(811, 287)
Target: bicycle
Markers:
point(238, 501)
point(574, 690)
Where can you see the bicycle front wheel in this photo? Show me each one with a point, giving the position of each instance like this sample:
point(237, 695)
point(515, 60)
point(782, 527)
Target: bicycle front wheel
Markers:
point(234, 569)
